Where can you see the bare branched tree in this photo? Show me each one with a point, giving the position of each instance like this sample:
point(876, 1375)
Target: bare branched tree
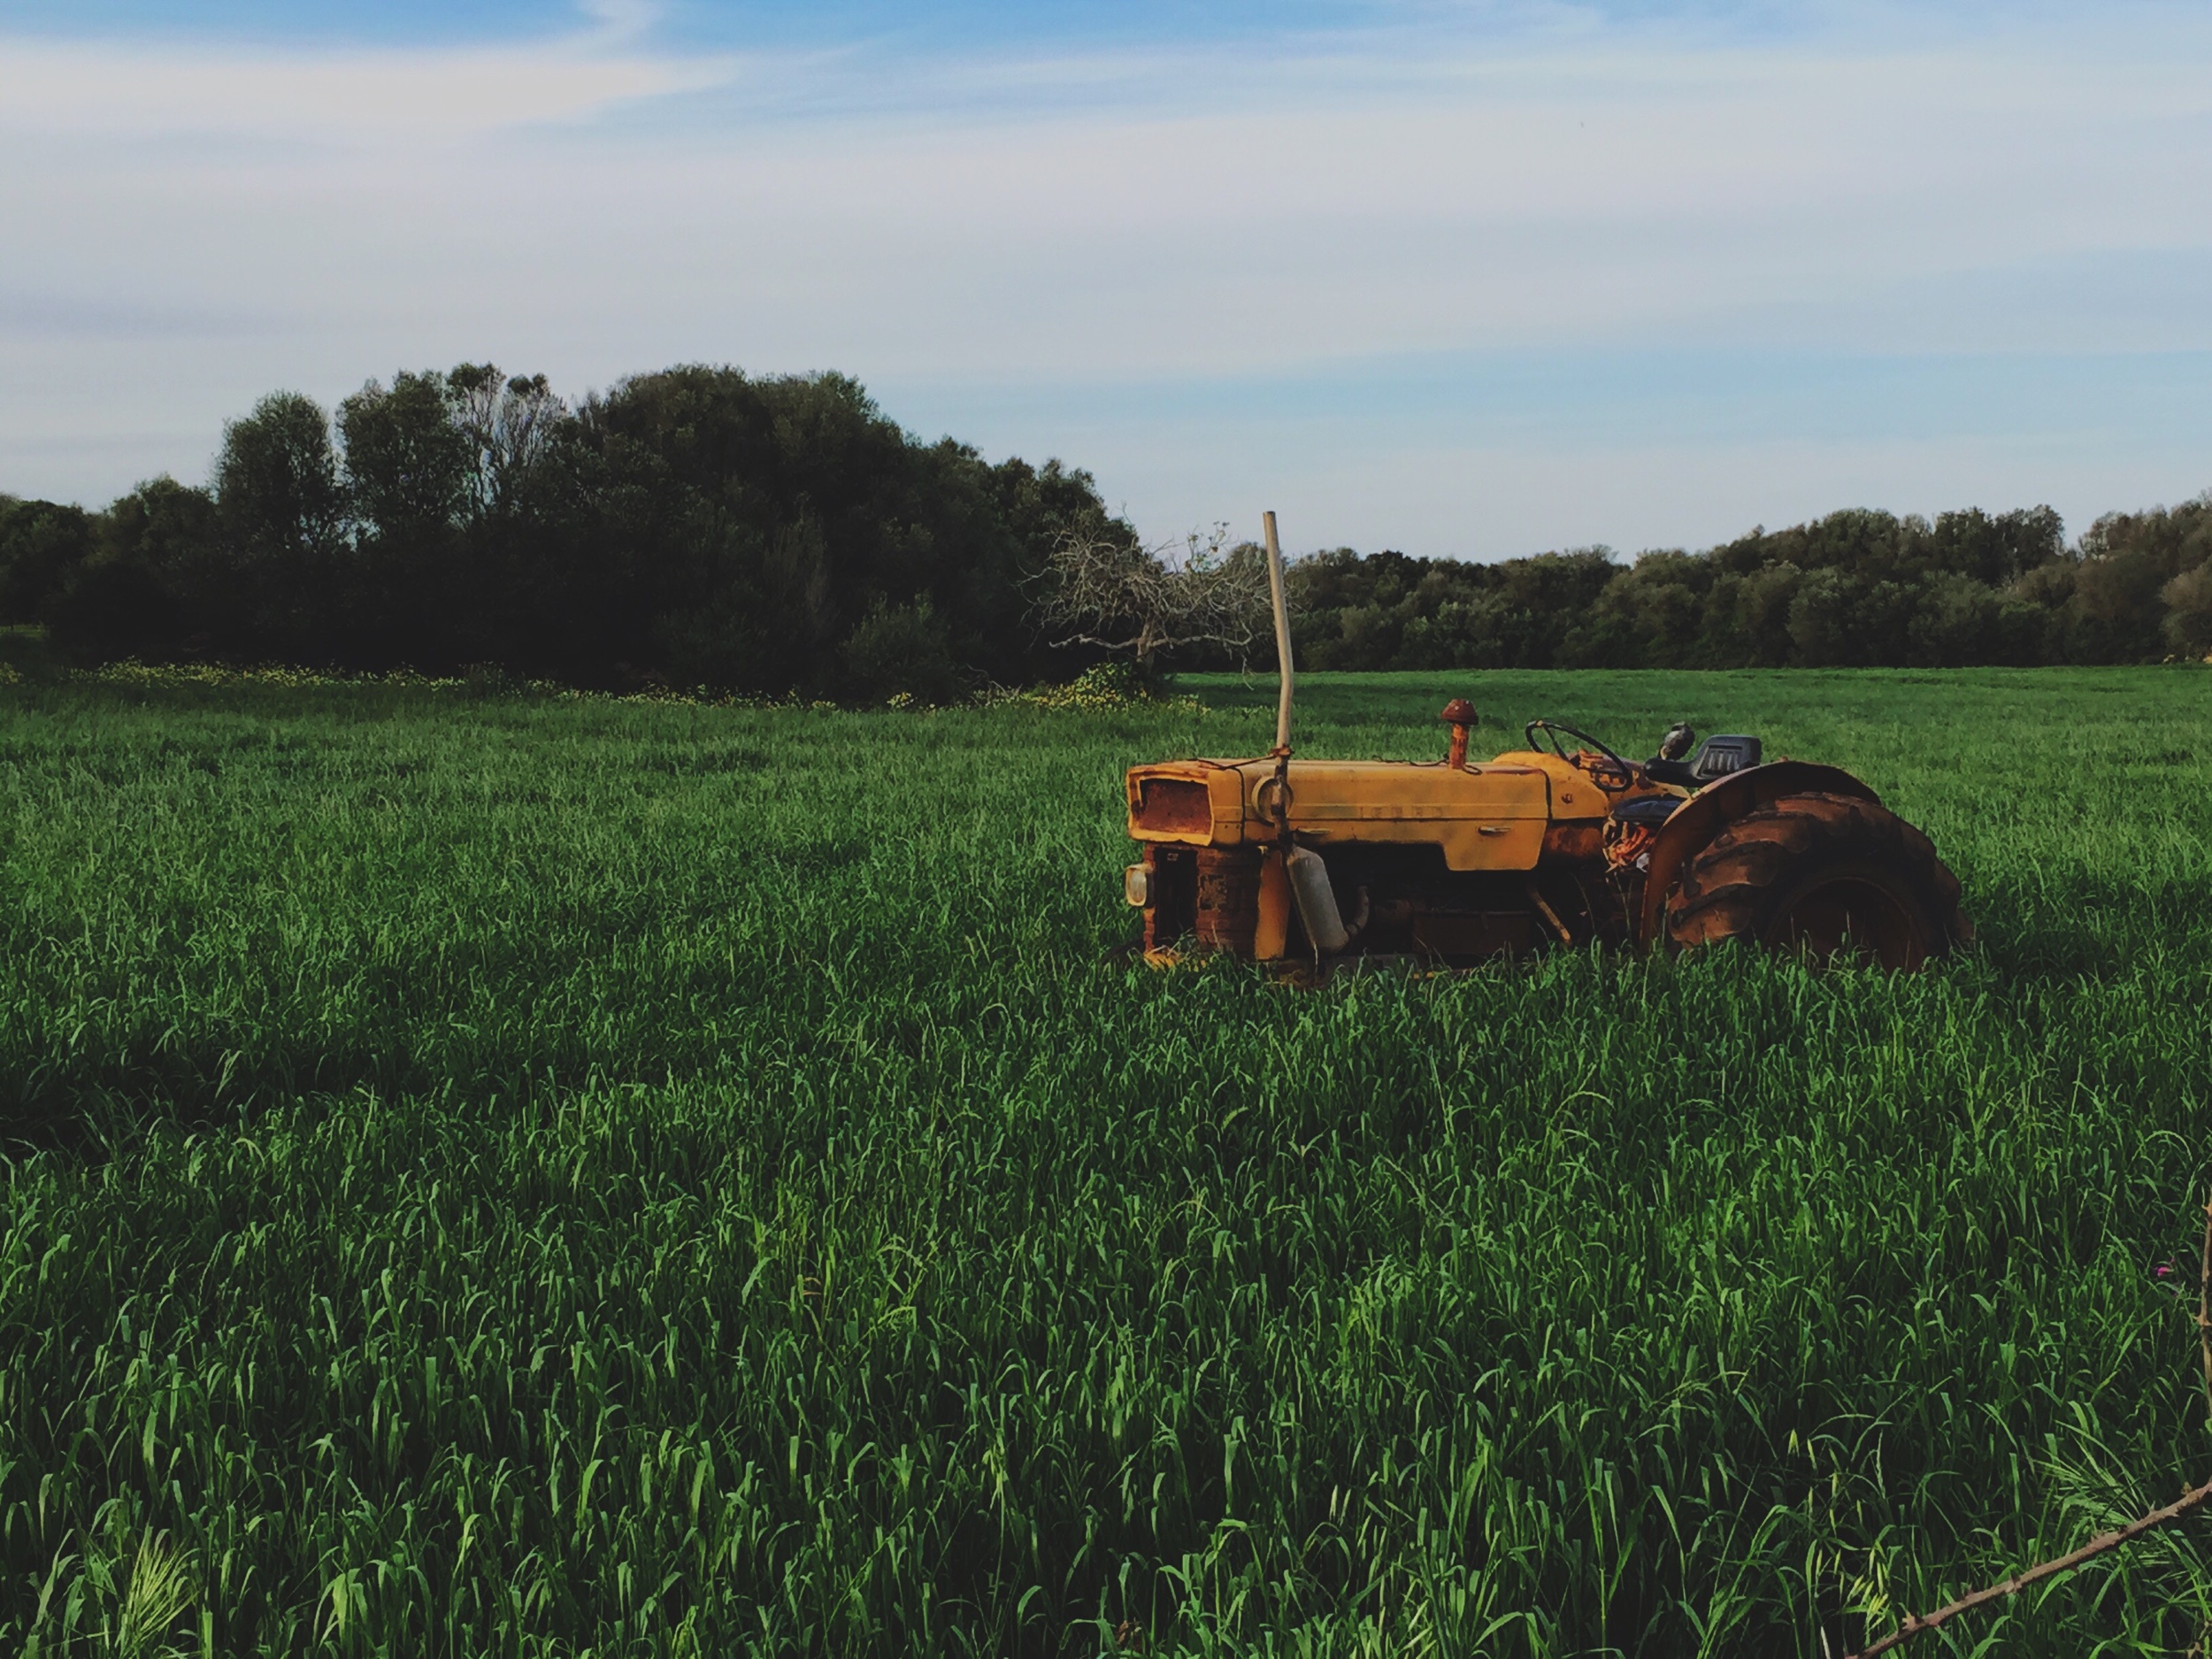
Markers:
point(1121, 595)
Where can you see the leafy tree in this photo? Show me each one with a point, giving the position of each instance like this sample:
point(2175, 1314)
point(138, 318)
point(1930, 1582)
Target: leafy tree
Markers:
point(2129, 565)
point(280, 531)
point(276, 482)
point(42, 544)
point(448, 490)
point(1956, 623)
point(790, 507)
point(409, 465)
point(2188, 621)
point(155, 582)
point(1995, 551)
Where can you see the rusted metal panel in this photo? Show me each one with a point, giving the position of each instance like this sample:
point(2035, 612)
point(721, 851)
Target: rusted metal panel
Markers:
point(1575, 840)
point(1228, 913)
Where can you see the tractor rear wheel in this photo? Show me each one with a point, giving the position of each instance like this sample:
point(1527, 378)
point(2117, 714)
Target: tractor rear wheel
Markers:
point(1826, 876)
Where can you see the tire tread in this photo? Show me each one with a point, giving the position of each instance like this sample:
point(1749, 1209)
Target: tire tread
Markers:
point(1729, 890)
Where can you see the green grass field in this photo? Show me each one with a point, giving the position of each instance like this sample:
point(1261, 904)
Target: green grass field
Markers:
point(500, 1175)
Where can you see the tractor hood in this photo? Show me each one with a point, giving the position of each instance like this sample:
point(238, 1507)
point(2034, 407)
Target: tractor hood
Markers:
point(1487, 817)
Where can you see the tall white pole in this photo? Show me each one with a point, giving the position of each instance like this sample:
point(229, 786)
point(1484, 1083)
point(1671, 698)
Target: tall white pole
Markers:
point(1282, 634)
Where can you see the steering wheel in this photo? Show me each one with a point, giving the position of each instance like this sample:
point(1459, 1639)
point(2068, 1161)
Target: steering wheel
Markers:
point(1621, 769)
point(1529, 731)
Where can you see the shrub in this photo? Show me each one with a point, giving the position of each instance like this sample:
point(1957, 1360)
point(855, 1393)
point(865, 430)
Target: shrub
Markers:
point(901, 650)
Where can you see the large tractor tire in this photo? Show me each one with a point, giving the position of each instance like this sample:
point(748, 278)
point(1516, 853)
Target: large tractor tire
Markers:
point(1826, 876)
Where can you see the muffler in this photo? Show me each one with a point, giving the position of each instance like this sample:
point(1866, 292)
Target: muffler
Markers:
point(1316, 900)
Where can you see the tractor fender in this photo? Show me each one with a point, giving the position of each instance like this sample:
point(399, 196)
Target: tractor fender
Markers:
point(1704, 815)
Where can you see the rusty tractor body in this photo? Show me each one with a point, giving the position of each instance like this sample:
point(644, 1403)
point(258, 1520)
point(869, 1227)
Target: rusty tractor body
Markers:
point(1315, 862)
point(1305, 862)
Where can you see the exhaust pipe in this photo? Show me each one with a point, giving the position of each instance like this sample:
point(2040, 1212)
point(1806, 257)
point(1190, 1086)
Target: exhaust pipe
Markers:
point(1316, 899)
point(1308, 871)
point(1282, 635)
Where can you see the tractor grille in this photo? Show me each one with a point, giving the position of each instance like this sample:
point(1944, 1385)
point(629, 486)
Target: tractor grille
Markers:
point(1209, 894)
point(1173, 805)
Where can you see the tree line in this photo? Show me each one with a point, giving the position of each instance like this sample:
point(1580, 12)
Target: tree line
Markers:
point(698, 526)
point(1855, 588)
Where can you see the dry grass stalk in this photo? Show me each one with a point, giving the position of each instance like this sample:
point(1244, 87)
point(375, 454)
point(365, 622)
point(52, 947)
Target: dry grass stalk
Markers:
point(2194, 1499)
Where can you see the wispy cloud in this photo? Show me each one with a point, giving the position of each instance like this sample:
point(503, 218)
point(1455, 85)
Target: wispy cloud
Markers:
point(110, 88)
point(621, 21)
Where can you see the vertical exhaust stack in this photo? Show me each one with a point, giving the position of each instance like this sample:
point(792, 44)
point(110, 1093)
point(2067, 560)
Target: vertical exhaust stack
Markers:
point(1459, 714)
point(1282, 635)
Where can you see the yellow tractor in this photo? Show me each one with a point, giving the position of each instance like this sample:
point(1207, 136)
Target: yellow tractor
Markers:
point(1561, 843)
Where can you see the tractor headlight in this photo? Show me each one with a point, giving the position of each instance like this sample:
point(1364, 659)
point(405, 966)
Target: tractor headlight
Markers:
point(1136, 886)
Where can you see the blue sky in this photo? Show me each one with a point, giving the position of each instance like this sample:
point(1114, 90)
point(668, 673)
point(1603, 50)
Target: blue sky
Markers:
point(1463, 278)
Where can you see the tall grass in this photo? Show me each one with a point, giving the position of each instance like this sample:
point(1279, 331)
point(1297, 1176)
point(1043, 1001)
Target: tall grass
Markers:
point(497, 1176)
